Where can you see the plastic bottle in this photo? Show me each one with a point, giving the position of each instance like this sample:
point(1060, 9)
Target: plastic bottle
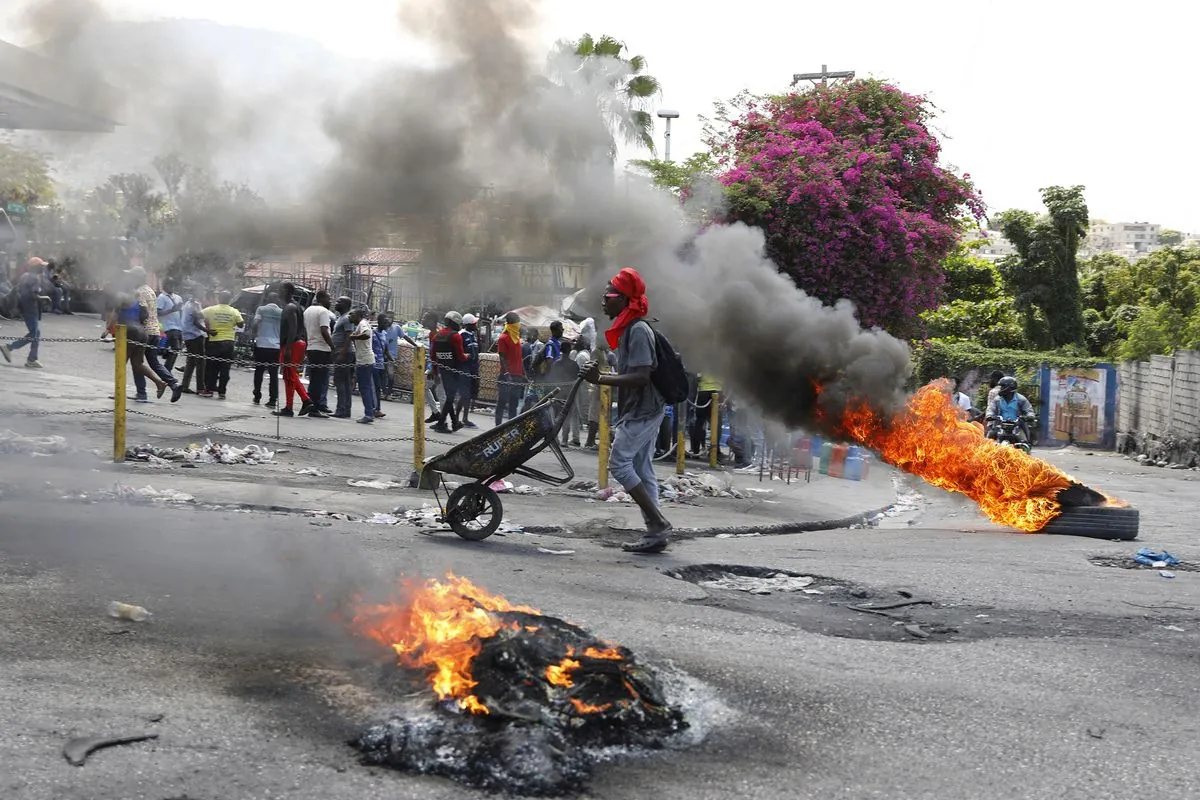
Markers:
point(132, 613)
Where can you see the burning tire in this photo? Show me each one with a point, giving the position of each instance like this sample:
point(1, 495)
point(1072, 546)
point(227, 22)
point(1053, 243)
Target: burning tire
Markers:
point(474, 511)
point(1096, 522)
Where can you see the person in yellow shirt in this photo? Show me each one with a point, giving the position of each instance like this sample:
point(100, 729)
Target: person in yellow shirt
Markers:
point(708, 390)
point(223, 321)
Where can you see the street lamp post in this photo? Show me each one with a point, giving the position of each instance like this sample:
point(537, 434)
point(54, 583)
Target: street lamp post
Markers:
point(668, 115)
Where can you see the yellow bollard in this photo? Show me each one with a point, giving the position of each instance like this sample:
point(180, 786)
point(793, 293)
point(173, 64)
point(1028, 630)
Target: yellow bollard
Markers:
point(680, 424)
point(119, 368)
point(602, 435)
point(714, 429)
point(418, 383)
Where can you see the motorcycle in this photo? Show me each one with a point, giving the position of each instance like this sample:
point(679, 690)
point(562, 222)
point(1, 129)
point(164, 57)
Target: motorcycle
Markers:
point(1010, 434)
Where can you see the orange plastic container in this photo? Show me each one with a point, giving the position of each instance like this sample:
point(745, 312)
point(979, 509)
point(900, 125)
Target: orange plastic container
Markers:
point(837, 461)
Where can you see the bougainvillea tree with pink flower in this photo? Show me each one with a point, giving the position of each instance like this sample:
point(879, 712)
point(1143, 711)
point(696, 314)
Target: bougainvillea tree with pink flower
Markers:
point(845, 182)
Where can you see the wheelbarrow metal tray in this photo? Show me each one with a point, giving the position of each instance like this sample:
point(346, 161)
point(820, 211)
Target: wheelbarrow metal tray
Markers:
point(502, 450)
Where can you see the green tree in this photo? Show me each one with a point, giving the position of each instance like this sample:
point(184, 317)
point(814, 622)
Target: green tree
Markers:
point(976, 308)
point(1043, 276)
point(1170, 238)
point(677, 177)
point(627, 90)
point(27, 192)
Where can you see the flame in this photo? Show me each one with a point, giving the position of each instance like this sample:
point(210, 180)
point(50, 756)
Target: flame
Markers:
point(931, 439)
point(607, 654)
point(439, 626)
point(560, 674)
point(584, 708)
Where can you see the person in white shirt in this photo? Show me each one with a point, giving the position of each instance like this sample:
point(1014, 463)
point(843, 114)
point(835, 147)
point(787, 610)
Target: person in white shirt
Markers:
point(364, 363)
point(170, 316)
point(962, 400)
point(318, 322)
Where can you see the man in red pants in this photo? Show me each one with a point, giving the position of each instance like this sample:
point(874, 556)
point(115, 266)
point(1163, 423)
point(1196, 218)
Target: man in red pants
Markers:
point(293, 341)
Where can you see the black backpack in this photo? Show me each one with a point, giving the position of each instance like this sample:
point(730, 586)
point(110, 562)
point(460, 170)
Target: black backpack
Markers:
point(669, 377)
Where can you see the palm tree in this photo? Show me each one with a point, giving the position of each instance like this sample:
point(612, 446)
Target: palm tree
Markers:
point(623, 88)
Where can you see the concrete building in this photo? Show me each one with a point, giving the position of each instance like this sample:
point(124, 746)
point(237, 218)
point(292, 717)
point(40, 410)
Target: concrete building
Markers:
point(994, 247)
point(36, 93)
point(1124, 238)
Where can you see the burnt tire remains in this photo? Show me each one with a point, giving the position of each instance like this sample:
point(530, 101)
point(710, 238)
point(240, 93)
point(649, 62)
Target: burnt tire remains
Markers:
point(1096, 522)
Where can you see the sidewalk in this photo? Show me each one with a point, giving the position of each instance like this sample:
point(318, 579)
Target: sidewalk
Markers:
point(78, 377)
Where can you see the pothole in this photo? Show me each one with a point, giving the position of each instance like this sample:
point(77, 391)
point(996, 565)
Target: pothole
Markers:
point(836, 607)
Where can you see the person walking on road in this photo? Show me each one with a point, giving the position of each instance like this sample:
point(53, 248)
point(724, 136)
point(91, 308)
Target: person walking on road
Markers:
point(512, 368)
point(292, 343)
point(708, 391)
point(448, 359)
point(170, 316)
point(195, 340)
point(223, 320)
point(29, 303)
point(265, 328)
point(360, 336)
point(640, 406)
point(318, 330)
point(153, 331)
point(132, 313)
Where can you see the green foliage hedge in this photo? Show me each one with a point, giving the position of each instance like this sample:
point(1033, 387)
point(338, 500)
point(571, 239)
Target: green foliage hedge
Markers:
point(945, 358)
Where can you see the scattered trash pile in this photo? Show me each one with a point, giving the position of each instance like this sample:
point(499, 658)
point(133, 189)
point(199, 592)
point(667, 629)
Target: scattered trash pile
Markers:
point(675, 489)
point(144, 495)
point(525, 702)
point(13, 443)
point(207, 453)
point(427, 516)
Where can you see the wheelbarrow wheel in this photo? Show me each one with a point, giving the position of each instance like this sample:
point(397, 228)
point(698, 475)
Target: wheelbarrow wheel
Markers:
point(474, 511)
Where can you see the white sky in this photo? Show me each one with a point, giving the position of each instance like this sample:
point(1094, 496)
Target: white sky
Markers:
point(1032, 92)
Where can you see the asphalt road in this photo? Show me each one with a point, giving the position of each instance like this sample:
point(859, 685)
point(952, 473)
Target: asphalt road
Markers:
point(1043, 675)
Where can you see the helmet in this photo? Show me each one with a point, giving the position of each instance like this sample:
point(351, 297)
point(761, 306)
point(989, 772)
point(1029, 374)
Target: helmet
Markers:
point(1008, 386)
point(455, 317)
point(469, 319)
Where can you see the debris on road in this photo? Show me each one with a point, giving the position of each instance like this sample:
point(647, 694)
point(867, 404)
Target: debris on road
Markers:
point(208, 453)
point(338, 515)
point(779, 582)
point(553, 552)
point(507, 487)
point(13, 443)
point(128, 611)
point(1149, 558)
point(374, 483)
point(383, 519)
point(312, 471)
point(541, 701)
point(146, 494)
point(1166, 573)
point(77, 750)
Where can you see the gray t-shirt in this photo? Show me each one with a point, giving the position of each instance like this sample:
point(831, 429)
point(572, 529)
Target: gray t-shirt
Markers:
point(339, 333)
point(636, 349)
point(267, 318)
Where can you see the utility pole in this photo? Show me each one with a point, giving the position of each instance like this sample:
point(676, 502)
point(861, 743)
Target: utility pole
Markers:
point(823, 76)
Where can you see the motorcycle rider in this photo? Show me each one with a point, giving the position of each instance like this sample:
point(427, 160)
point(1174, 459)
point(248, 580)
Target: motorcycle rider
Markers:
point(1009, 405)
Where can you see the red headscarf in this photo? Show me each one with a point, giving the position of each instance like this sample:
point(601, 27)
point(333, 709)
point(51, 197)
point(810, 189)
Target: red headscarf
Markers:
point(629, 283)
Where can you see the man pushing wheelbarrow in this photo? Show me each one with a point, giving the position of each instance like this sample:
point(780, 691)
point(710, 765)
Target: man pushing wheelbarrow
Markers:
point(649, 374)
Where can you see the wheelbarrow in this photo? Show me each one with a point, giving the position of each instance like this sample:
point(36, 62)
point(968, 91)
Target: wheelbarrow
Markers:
point(474, 510)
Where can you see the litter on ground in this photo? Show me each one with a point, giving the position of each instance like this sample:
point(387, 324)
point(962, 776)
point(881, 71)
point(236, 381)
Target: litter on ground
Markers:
point(208, 453)
point(13, 443)
point(779, 582)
